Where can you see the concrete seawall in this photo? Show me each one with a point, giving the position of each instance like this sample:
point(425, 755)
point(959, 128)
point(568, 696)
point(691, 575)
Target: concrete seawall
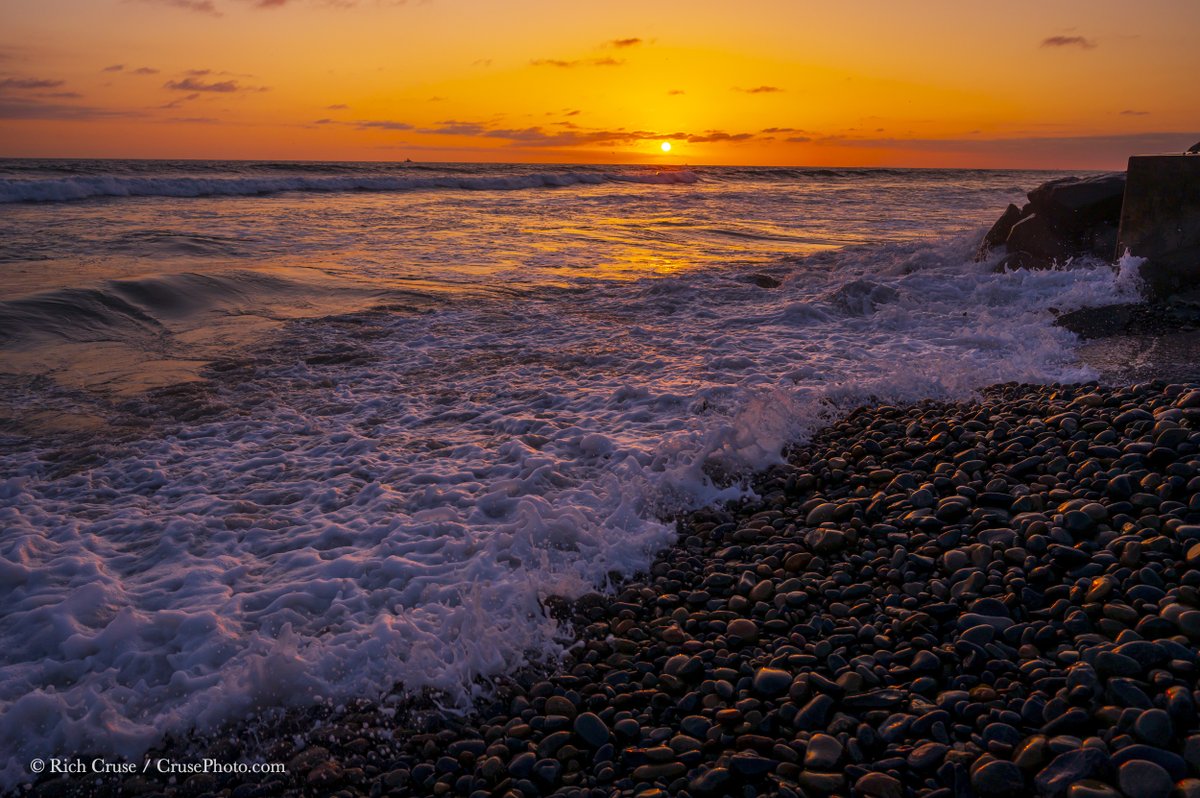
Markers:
point(1160, 221)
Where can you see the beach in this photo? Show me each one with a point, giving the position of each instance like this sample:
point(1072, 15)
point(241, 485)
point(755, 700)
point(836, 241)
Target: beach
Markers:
point(477, 479)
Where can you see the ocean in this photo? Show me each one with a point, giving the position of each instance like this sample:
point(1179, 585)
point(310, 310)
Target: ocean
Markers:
point(282, 434)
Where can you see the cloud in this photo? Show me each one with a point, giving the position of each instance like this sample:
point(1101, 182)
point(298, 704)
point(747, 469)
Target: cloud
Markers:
point(382, 124)
point(337, 107)
point(113, 68)
point(145, 71)
point(537, 136)
point(1065, 149)
point(198, 6)
point(780, 130)
point(798, 139)
point(26, 108)
point(675, 92)
point(556, 62)
point(222, 87)
point(633, 41)
point(29, 83)
point(710, 136)
point(482, 62)
point(760, 90)
point(1135, 113)
point(1068, 41)
point(180, 101)
point(195, 120)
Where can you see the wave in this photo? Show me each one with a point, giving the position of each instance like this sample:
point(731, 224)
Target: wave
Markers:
point(131, 307)
point(89, 187)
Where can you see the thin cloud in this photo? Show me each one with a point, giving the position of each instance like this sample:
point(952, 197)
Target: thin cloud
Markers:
point(561, 64)
point(25, 108)
point(675, 92)
point(710, 136)
point(198, 6)
point(145, 71)
point(760, 90)
point(482, 62)
point(382, 124)
point(633, 41)
point(1135, 113)
point(537, 136)
point(220, 87)
point(29, 83)
point(114, 68)
point(1069, 41)
point(780, 130)
point(337, 107)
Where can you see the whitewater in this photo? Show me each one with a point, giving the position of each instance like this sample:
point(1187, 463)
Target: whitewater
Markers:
point(281, 434)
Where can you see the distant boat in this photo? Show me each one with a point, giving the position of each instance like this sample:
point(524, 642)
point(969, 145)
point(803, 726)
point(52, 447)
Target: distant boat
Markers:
point(408, 160)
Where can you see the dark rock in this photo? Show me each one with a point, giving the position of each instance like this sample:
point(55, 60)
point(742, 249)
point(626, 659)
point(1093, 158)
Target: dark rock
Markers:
point(1141, 779)
point(998, 779)
point(771, 682)
point(1037, 235)
point(1000, 230)
point(593, 730)
point(879, 785)
point(823, 752)
point(1070, 767)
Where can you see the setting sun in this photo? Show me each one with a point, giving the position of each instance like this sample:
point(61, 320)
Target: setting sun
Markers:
point(666, 146)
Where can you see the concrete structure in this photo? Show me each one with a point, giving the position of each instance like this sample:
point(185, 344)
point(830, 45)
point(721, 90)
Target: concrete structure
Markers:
point(1160, 221)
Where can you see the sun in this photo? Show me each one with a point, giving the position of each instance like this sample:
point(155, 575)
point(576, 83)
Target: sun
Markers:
point(666, 146)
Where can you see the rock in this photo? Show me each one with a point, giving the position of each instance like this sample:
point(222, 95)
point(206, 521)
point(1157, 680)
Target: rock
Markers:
point(823, 752)
point(879, 785)
point(1090, 788)
point(1141, 779)
point(557, 705)
point(593, 730)
point(743, 630)
point(1160, 221)
point(1068, 768)
point(820, 514)
point(710, 782)
point(771, 682)
point(1154, 727)
point(998, 779)
point(999, 232)
point(1036, 235)
point(1079, 203)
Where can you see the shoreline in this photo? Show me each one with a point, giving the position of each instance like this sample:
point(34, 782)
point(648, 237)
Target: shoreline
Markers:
point(926, 600)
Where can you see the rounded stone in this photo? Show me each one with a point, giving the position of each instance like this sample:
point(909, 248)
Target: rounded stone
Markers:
point(743, 630)
point(998, 779)
point(1154, 727)
point(1141, 779)
point(771, 682)
point(591, 729)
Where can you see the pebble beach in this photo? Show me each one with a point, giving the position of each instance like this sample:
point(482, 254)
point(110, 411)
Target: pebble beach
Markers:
point(991, 598)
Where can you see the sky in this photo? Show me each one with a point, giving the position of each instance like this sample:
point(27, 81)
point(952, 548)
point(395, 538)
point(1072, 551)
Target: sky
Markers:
point(1070, 84)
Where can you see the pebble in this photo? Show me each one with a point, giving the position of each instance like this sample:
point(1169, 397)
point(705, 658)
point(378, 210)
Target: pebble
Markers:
point(1141, 779)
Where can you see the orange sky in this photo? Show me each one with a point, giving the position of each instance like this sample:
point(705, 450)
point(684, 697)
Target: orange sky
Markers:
point(1068, 84)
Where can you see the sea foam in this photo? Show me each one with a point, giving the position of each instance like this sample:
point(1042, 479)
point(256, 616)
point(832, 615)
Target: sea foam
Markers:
point(63, 189)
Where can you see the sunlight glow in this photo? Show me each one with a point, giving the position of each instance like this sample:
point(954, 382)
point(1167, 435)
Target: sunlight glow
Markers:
point(666, 146)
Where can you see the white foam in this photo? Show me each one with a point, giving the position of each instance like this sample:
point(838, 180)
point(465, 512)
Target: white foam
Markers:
point(344, 529)
point(64, 189)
